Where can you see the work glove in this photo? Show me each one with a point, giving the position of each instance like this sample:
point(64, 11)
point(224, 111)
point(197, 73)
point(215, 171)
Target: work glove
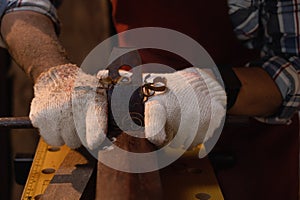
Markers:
point(69, 107)
point(193, 105)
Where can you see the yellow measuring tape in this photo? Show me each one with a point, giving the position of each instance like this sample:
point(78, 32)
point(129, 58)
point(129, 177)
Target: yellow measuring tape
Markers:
point(46, 161)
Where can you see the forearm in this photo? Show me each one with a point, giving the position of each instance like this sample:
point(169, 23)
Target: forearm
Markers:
point(258, 96)
point(32, 42)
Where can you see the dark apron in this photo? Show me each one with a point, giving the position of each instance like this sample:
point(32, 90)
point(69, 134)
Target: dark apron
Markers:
point(266, 161)
point(266, 156)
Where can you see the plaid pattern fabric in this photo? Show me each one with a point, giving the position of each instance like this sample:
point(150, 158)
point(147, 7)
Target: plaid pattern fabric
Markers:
point(273, 27)
point(3, 4)
point(45, 7)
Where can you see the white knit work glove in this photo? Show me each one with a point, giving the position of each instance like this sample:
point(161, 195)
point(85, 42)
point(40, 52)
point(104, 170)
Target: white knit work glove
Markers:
point(194, 99)
point(68, 108)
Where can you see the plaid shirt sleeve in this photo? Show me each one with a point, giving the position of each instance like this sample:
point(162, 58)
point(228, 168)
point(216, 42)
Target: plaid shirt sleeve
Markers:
point(3, 4)
point(45, 7)
point(274, 28)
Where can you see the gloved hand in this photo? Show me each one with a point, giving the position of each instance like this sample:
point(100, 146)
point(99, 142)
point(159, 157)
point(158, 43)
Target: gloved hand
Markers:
point(67, 101)
point(194, 99)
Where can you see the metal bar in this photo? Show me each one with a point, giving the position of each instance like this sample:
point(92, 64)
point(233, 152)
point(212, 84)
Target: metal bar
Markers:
point(15, 122)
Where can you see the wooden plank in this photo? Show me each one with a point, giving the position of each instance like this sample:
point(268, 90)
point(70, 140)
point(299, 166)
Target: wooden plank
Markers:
point(113, 184)
point(118, 185)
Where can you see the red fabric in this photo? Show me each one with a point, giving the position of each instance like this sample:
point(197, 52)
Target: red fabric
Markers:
point(267, 155)
point(205, 21)
point(267, 161)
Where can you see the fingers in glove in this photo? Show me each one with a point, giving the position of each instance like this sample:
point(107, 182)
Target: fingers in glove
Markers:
point(96, 123)
point(46, 119)
point(48, 129)
point(68, 133)
point(155, 120)
point(79, 108)
point(102, 74)
point(90, 116)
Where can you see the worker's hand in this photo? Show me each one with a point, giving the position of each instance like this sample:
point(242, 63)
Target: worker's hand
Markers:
point(193, 99)
point(67, 101)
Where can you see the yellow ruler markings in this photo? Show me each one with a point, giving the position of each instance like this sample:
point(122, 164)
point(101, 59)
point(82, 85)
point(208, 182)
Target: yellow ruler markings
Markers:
point(46, 161)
